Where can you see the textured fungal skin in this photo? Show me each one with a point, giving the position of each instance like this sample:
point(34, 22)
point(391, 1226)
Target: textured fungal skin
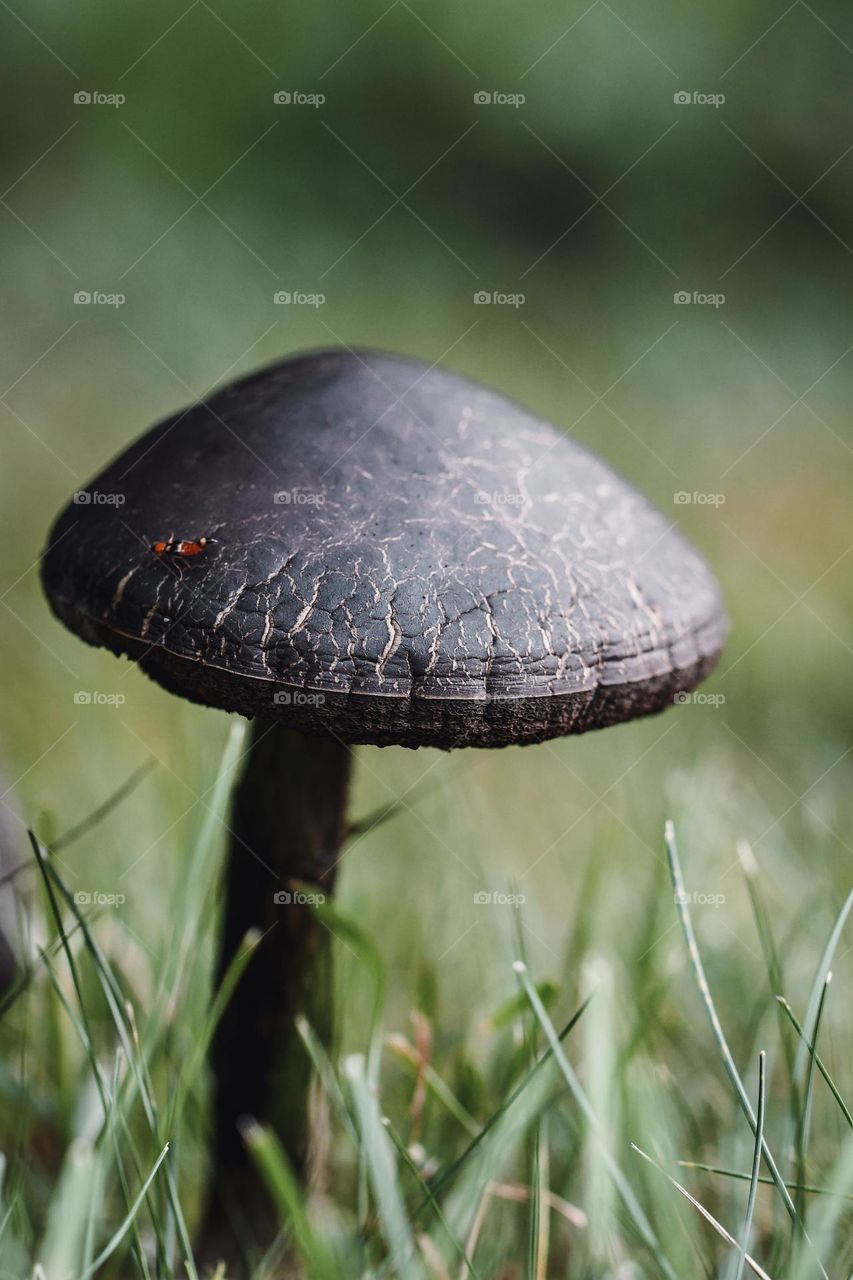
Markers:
point(395, 555)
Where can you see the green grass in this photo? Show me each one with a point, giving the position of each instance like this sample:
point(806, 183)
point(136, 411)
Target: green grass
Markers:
point(469, 1136)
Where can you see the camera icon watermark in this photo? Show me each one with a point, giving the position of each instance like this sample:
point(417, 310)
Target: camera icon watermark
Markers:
point(497, 98)
point(298, 698)
point(696, 499)
point(298, 898)
point(695, 98)
point(95, 98)
point(95, 898)
point(684, 298)
point(487, 898)
point(498, 498)
point(700, 699)
point(93, 698)
point(97, 298)
point(296, 98)
point(495, 298)
point(695, 899)
point(287, 298)
point(96, 498)
point(299, 498)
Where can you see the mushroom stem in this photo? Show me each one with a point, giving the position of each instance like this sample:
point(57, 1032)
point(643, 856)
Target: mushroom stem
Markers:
point(287, 827)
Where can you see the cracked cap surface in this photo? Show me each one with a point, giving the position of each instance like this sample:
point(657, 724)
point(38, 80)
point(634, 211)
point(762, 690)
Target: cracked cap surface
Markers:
point(394, 554)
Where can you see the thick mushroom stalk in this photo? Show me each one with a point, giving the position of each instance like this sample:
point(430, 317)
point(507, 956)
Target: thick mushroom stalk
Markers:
point(287, 827)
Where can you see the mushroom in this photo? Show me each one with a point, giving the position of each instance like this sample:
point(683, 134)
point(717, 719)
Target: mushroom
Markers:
point(352, 547)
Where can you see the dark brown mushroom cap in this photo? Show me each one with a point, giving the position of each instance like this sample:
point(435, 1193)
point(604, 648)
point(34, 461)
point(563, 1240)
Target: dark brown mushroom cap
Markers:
point(395, 555)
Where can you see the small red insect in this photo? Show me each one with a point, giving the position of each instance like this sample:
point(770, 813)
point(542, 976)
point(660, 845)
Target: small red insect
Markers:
point(181, 547)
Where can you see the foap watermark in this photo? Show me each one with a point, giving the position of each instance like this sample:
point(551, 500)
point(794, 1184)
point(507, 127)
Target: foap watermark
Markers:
point(696, 98)
point(700, 699)
point(696, 499)
point(488, 899)
point(495, 298)
point(95, 898)
point(696, 899)
point(299, 498)
point(97, 98)
point(498, 98)
point(297, 898)
point(97, 498)
point(93, 698)
point(296, 98)
point(686, 298)
point(293, 298)
point(298, 698)
point(97, 298)
point(498, 498)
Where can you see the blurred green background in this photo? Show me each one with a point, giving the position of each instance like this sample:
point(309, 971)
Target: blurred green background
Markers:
point(399, 197)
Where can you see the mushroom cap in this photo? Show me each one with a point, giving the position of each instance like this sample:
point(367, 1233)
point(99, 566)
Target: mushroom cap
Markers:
point(395, 554)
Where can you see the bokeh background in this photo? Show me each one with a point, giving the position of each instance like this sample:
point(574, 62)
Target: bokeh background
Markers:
point(626, 155)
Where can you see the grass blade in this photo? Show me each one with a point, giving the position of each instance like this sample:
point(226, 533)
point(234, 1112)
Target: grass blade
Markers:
point(803, 1134)
point(415, 1171)
point(827, 1219)
point(122, 1231)
point(201, 1046)
point(817, 987)
point(441, 1180)
point(284, 1189)
point(326, 1074)
point(756, 1166)
point(406, 1053)
point(716, 1026)
point(120, 1013)
point(700, 1208)
point(621, 1183)
point(747, 1177)
point(382, 1171)
point(818, 1062)
point(103, 810)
